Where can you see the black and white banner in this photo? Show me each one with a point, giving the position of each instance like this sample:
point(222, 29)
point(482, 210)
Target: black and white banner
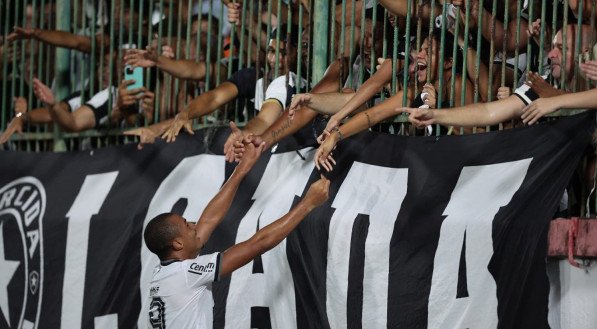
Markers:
point(419, 232)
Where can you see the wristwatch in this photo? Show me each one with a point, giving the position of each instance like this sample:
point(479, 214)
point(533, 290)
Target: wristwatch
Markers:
point(19, 114)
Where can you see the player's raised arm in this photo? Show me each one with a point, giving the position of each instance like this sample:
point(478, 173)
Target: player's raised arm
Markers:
point(218, 206)
point(271, 235)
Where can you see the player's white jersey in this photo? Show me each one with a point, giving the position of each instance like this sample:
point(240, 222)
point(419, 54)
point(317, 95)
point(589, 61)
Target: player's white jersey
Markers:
point(180, 293)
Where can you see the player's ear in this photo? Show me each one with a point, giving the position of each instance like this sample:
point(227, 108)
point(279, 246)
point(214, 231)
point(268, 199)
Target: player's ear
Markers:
point(177, 244)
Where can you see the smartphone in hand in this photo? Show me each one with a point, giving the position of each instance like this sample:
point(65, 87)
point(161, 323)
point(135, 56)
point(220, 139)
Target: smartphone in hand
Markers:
point(135, 74)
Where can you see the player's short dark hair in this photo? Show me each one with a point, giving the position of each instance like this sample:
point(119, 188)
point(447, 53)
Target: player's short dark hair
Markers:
point(159, 233)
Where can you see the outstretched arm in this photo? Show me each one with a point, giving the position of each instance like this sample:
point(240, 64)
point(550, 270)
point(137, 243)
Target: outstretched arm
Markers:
point(371, 87)
point(218, 206)
point(356, 124)
point(200, 106)
point(286, 125)
point(58, 38)
point(543, 106)
point(271, 235)
point(479, 114)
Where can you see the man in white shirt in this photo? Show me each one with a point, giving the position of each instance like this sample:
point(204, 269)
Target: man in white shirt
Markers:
point(181, 288)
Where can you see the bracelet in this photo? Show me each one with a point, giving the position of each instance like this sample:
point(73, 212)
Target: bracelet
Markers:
point(368, 119)
point(340, 135)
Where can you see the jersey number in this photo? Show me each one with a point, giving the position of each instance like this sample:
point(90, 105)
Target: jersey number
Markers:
point(156, 313)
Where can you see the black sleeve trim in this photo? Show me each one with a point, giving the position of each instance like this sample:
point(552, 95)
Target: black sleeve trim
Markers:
point(522, 99)
point(218, 264)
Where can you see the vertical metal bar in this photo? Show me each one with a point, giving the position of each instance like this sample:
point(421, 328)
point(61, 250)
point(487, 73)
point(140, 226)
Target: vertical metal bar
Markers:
point(465, 52)
point(352, 27)
point(5, 70)
point(332, 54)
point(429, 38)
point(278, 31)
point(32, 55)
point(158, 91)
point(373, 39)
point(542, 36)
point(504, 54)
point(242, 32)
point(84, 57)
point(208, 51)
point(517, 50)
point(252, 26)
point(299, 59)
point(492, 52)
point(478, 59)
point(529, 43)
point(23, 44)
point(178, 56)
point(320, 44)
point(577, 44)
point(219, 51)
point(554, 22)
point(406, 53)
point(440, 68)
point(231, 46)
point(454, 58)
point(111, 62)
point(62, 66)
point(563, 84)
point(362, 47)
point(395, 59)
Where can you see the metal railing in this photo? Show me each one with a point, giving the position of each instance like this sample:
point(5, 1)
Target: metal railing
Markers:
point(486, 46)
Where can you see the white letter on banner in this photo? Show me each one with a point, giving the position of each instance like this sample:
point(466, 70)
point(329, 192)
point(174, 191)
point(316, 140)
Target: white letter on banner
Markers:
point(285, 176)
point(87, 203)
point(377, 192)
point(479, 194)
point(198, 179)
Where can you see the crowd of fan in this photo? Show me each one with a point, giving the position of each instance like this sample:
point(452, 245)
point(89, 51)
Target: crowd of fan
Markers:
point(356, 92)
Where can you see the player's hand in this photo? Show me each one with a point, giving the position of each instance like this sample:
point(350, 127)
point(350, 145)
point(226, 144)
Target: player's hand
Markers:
point(236, 135)
point(20, 33)
point(146, 136)
point(318, 192)
point(181, 120)
point(128, 97)
point(240, 146)
point(503, 92)
point(298, 100)
point(250, 156)
point(323, 155)
point(43, 93)
point(419, 117)
point(234, 13)
point(590, 69)
point(538, 109)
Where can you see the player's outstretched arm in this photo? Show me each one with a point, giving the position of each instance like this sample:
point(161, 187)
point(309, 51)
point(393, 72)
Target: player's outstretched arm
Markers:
point(271, 235)
point(218, 206)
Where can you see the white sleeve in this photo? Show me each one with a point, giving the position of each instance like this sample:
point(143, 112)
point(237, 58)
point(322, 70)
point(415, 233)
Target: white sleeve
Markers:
point(202, 270)
point(277, 90)
point(99, 99)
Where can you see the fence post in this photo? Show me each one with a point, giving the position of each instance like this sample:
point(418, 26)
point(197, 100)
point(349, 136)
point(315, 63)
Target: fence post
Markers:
point(63, 22)
point(321, 16)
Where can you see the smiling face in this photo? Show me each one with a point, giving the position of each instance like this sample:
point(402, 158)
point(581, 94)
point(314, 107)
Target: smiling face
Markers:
point(423, 58)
